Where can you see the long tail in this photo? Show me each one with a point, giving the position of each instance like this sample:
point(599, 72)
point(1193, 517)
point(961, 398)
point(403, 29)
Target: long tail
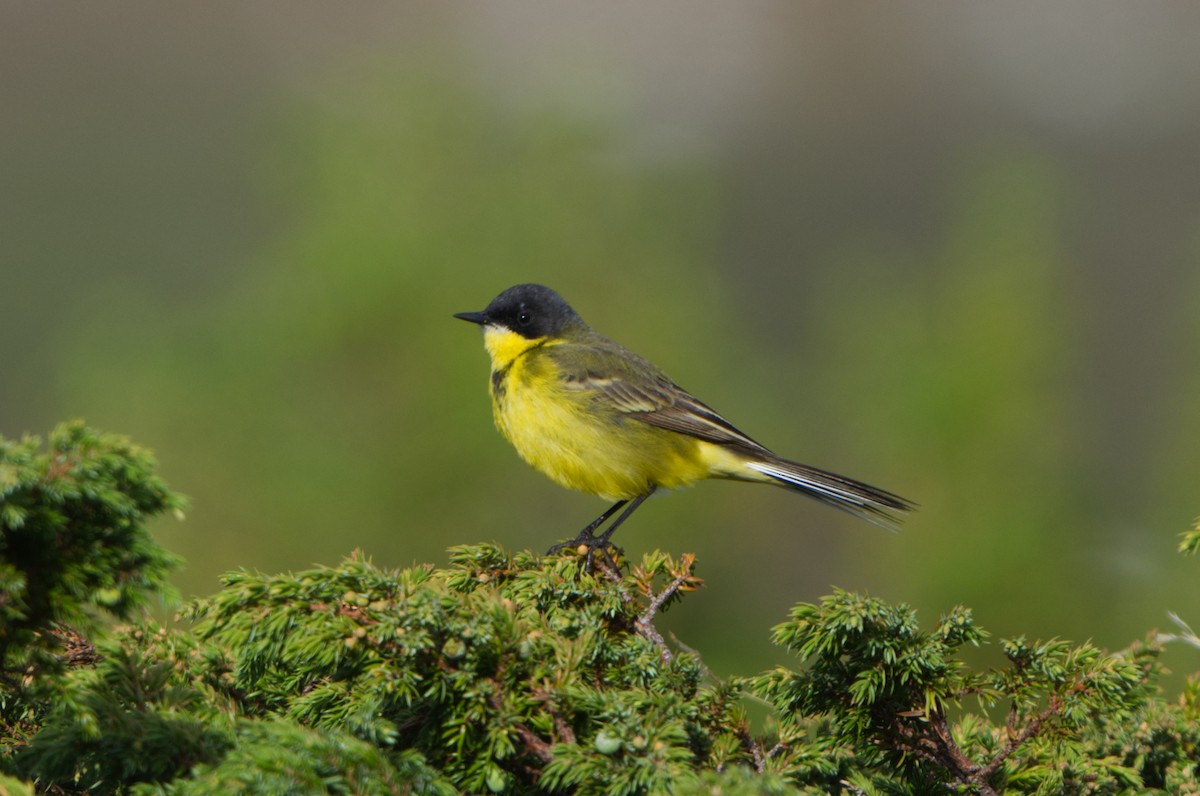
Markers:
point(867, 502)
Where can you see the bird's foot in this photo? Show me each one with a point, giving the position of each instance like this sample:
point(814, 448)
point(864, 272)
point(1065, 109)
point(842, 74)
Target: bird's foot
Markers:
point(595, 549)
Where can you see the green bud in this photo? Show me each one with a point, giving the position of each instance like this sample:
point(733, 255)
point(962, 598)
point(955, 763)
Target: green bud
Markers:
point(496, 781)
point(607, 743)
point(454, 649)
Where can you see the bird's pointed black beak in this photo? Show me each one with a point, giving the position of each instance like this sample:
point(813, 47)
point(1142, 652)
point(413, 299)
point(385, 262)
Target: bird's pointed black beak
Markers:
point(474, 317)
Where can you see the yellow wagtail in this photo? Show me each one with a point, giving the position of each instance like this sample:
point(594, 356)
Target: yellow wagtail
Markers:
point(596, 417)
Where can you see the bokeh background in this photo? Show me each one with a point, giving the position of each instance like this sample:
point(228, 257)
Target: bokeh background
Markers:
point(951, 249)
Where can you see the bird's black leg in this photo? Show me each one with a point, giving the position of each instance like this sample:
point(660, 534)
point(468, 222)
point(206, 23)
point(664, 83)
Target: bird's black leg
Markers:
point(587, 536)
point(637, 501)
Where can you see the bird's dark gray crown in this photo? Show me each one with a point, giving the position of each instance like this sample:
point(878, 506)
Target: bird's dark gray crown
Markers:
point(532, 311)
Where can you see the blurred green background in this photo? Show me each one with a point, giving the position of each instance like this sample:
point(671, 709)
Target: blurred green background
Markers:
point(953, 250)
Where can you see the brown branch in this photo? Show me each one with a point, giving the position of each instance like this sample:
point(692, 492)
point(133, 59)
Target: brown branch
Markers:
point(967, 772)
point(645, 623)
point(561, 727)
point(944, 751)
point(536, 746)
point(941, 749)
point(664, 595)
point(533, 744)
point(1014, 741)
point(962, 764)
point(650, 633)
point(77, 650)
point(751, 744)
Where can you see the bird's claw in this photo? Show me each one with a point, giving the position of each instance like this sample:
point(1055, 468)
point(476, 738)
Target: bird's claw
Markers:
point(586, 544)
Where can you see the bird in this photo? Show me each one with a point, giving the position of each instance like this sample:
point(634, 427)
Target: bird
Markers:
point(595, 417)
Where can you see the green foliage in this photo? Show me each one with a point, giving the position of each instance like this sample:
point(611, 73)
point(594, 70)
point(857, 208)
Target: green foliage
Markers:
point(887, 688)
point(277, 756)
point(134, 717)
point(500, 670)
point(73, 541)
point(73, 549)
point(1190, 541)
point(515, 673)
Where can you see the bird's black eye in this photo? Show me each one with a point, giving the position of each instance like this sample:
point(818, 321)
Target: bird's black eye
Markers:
point(525, 318)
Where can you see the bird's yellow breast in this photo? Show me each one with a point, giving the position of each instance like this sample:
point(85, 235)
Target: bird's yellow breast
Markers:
point(571, 436)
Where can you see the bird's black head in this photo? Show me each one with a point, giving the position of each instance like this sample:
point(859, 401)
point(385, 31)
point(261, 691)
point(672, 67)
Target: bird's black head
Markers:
point(532, 311)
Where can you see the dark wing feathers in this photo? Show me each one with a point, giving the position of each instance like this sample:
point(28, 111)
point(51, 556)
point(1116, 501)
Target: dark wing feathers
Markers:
point(635, 387)
point(630, 385)
point(690, 416)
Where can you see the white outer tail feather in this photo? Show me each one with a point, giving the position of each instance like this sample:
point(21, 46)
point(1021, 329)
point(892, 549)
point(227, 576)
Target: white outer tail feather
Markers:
point(849, 496)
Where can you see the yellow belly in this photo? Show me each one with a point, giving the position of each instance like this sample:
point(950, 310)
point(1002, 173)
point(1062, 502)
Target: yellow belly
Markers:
point(579, 445)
